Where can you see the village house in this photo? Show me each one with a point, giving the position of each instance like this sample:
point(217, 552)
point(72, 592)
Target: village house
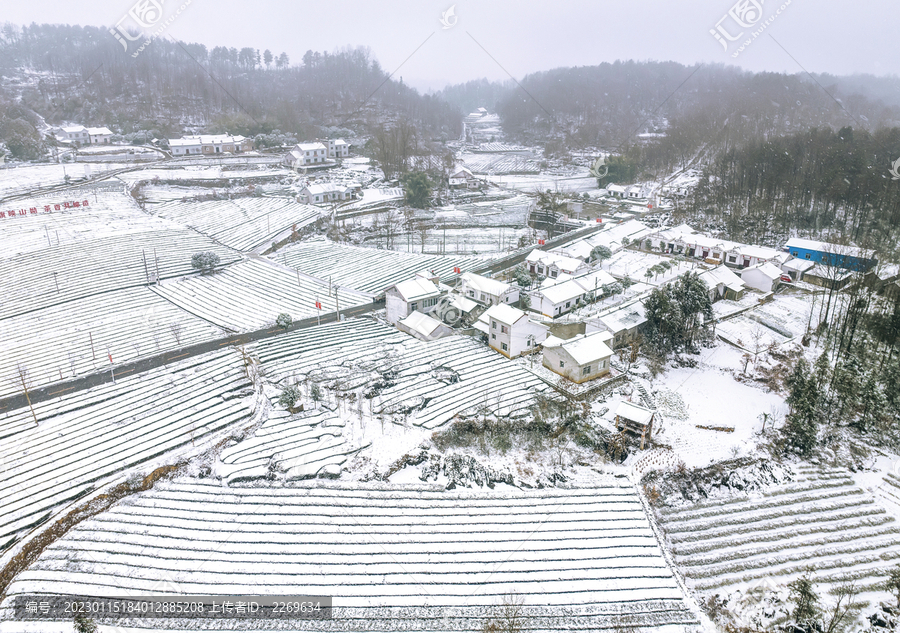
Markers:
point(486, 290)
point(557, 299)
point(581, 358)
point(551, 264)
point(616, 191)
point(635, 419)
point(837, 255)
point(637, 192)
point(764, 277)
point(304, 154)
point(462, 178)
point(404, 298)
point(99, 135)
point(423, 326)
point(795, 268)
point(510, 331)
point(625, 323)
point(723, 284)
point(74, 134)
point(210, 144)
point(326, 192)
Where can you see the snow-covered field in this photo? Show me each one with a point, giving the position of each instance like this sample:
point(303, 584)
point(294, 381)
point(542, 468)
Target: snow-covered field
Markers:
point(75, 338)
point(509, 212)
point(14, 180)
point(820, 521)
point(367, 269)
point(57, 274)
point(776, 322)
point(633, 264)
point(242, 223)
point(403, 379)
point(84, 438)
point(394, 557)
point(251, 294)
point(109, 214)
point(206, 172)
point(541, 182)
point(500, 163)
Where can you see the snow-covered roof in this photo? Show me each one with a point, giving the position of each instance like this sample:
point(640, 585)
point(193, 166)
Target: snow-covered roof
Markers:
point(580, 249)
point(799, 265)
point(485, 284)
point(759, 252)
point(309, 147)
point(562, 292)
point(554, 259)
point(634, 412)
point(615, 188)
point(461, 302)
point(341, 141)
point(421, 323)
point(414, 289)
point(184, 142)
point(503, 313)
point(595, 280)
point(624, 318)
point(825, 247)
point(721, 275)
point(769, 270)
point(73, 129)
point(95, 131)
point(553, 281)
point(461, 172)
point(888, 271)
point(584, 348)
point(326, 187)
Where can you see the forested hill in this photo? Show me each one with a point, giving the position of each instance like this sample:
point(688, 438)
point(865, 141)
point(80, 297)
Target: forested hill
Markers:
point(710, 107)
point(75, 73)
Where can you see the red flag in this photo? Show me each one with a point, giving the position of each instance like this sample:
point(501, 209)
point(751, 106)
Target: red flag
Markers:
point(457, 269)
point(541, 242)
point(110, 356)
point(649, 206)
point(599, 219)
point(318, 305)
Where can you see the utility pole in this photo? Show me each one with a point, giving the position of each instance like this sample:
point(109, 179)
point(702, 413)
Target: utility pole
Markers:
point(337, 304)
point(56, 282)
point(47, 231)
point(146, 270)
point(93, 353)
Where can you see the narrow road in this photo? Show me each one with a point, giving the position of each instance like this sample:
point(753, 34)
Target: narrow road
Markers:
point(57, 389)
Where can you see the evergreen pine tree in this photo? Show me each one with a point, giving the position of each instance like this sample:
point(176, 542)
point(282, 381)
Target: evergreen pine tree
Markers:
point(801, 426)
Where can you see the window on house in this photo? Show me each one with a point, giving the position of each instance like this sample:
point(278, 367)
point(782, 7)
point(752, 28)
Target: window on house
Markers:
point(553, 274)
point(493, 337)
point(732, 259)
point(568, 303)
point(586, 370)
point(494, 325)
point(503, 347)
point(807, 256)
point(482, 296)
point(562, 363)
point(504, 329)
point(413, 306)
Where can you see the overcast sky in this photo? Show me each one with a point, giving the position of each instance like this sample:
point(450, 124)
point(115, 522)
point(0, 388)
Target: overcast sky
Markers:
point(490, 38)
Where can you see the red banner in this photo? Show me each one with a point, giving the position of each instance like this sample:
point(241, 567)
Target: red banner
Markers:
point(47, 208)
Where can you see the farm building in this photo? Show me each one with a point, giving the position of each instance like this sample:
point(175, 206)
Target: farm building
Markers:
point(635, 419)
point(423, 327)
point(326, 192)
point(624, 323)
point(828, 276)
point(462, 178)
point(796, 268)
point(99, 135)
point(581, 358)
point(723, 284)
point(765, 277)
point(837, 255)
point(550, 265)
point(404, 298)
point(486, 290)
point(510, 331)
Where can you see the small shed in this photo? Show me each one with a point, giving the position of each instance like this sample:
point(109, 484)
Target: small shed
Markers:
point(635, 419)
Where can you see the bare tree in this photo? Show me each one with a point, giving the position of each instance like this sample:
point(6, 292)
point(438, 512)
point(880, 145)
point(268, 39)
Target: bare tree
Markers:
point(175, 326)
point(510, 618)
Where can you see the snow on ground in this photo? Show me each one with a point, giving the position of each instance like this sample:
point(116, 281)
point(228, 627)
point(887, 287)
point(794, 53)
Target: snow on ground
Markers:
point(541, 182)
point(205, 172)
point(394, 557)
point(785, 318)
point(474, 241)
point(633, 264)
point(108, 214)
point(19, 179)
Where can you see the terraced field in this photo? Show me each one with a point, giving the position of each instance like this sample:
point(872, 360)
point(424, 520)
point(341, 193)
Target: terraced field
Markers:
point(301, 446)
point(90, 435)
point(75, 338)
point(251, 294)
point(418, 382)
point(821, 522)
point(367, 269)
point(244, 224)
point(410, 558)
point(502, 163)
point(890, 488)
point(58, 274)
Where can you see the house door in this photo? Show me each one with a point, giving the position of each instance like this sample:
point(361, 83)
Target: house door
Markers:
point(746, 262)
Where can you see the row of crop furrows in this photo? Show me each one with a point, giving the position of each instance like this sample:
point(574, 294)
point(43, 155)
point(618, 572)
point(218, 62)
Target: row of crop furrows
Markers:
point(890, 488)
point(251, 294)
point(368, 269)
point(62, 273)
point(580, 558)
point(83, 438)
point(821, 523)
point(243, 223)
point(77, 338)
point(310, 444)
point(427, 383)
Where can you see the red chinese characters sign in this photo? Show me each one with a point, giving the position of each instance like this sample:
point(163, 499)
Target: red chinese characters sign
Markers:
point(47, 208)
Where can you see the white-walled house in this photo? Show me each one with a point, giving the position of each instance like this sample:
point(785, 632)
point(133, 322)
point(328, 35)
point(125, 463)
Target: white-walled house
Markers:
point(99, 135)
point(723, 284)
point(558, 298)
point(309, 154)
point(326, 192)
point(550, 264)
point(76, 134)
point(406, 297)
point(765, 277)
point(461, 178)
point(511, 332)
point(423, 326)
point(210, 144)
point(624, 323)
point(486, 290)
point(581, 358)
